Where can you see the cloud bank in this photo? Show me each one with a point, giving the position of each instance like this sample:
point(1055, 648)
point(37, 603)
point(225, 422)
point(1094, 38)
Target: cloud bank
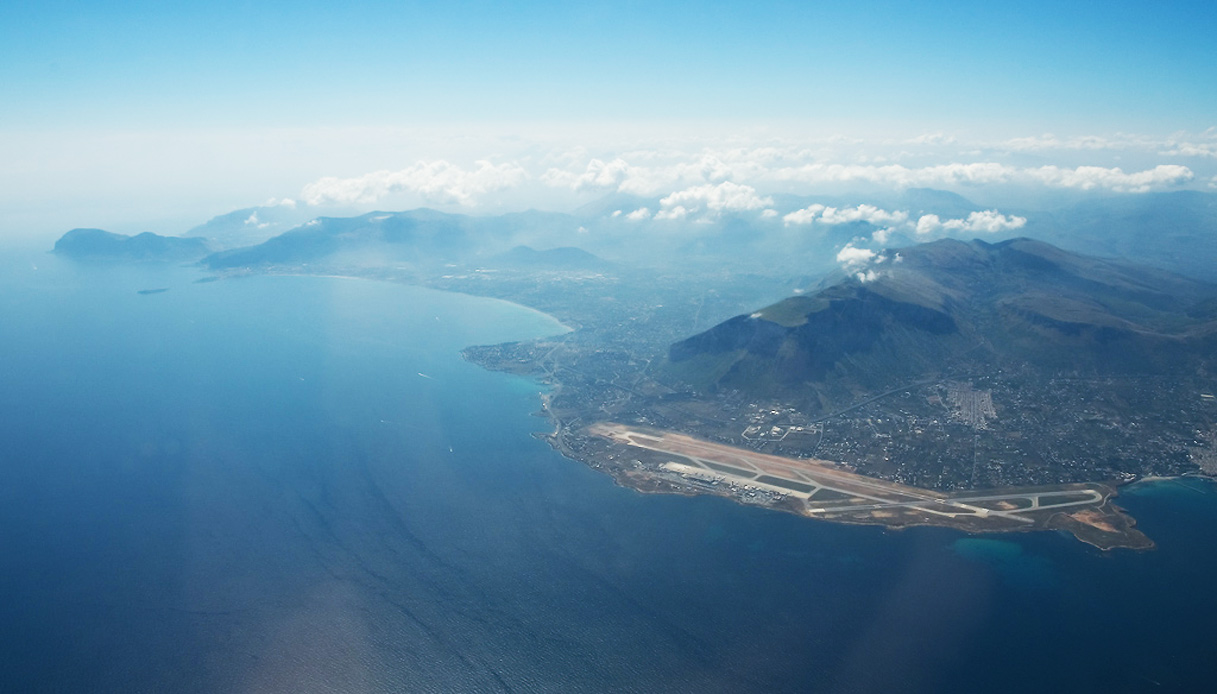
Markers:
point(987, 222)
point(688, 178)
point(979, 222)
point(820, 214)
point(715, 198)
point(435, 181)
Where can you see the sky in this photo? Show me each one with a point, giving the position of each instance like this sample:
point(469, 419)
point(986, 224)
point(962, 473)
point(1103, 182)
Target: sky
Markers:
point(155, 114)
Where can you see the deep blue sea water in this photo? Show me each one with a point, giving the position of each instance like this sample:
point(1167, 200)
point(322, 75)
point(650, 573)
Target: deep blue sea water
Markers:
point(297, 484)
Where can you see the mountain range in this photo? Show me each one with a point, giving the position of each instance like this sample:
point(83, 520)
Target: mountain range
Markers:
point(1174, 231)
point(421, 237)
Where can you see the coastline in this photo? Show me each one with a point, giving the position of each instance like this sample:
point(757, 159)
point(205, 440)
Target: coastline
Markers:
point(1102, 524)
point(400, 281)
point(1155, 479)
point(1150, 483)
point(1110, 528)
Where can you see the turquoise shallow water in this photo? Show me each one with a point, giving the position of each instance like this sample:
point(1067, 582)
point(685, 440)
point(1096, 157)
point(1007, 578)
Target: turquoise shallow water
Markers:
point(288, 483)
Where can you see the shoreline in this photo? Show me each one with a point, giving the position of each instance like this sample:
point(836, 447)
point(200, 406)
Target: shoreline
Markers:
point(1159, 479)
point(419, 285)
point(1101, 524)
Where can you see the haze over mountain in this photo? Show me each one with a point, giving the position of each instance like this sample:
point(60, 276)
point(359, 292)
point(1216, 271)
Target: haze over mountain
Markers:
point(422, 236)
point(967, 306)
point(562, 258)
point(249, 226)
point(799, 236)
point(1176, 230)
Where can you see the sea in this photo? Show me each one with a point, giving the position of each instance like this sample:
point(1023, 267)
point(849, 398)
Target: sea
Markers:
point(297, 484)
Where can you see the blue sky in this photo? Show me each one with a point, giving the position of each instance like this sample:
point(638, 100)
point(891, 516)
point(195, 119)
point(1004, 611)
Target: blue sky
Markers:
point(81, 79)
point(1063, 66)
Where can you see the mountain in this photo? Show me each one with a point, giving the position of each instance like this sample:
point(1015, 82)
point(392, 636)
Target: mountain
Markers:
point(615, 202)
point(1173, 231)
point(421, 237)
point(250, 225)
point(96, 244)
point(1176, 230)
point(562, 258)
point(972, 306)
point(916, 201)
point(932, 201)
point(421, 234)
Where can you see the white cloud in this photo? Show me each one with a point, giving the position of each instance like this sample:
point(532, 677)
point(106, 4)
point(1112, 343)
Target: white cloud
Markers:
point(639, 214)
point(256, 223)
point(831, 215)
point(598, 175)
point(807, 215)
point(988, 173)
point(990, 221)
point(677, 212)
point(932, 139)
point(897, 175)
point(853, 258)
point(1091, 177)
point(862, 213)
point(769, 213)
point(987, 221)
point(715, 198)
point(1049, 142)
point(1189, 149)
point(666, 170)
point(1181, 144)
point(736, 173)
point(928, 224)
point(435, 181)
